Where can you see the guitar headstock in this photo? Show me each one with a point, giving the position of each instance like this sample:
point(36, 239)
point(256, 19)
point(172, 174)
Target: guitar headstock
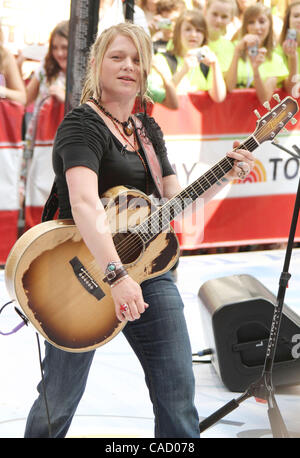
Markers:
point(269, 125)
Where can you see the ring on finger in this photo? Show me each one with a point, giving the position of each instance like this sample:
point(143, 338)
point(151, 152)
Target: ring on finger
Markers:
point(242, 164)
point(123, 307)
point(242, 174)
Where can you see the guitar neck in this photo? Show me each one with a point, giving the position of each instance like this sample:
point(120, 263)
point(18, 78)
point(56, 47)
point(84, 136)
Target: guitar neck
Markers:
point(161, 218)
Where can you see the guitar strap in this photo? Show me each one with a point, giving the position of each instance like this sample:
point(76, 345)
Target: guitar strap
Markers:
point(150, 155)
point(51, 206)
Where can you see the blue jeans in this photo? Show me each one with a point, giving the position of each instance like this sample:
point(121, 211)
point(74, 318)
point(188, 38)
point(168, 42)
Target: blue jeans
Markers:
point(160, 341)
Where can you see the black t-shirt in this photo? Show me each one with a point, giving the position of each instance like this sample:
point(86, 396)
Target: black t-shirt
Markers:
point(83, 139)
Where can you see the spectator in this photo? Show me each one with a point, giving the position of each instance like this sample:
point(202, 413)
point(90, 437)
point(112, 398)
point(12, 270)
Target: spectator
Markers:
point(254, 63)
point(235, 25)
point(219, 13)
point(167, 13)
point(150, 10)
point(112, 12)
point(11, 83)
point(50, 78)
point(165, 95)
point(289, 47)
point(193, 65)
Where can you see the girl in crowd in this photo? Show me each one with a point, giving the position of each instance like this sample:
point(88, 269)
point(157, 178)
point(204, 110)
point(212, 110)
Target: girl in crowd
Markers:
point(254, 63)
point(97, 147)
point(219, 14)
point(235, 26)
point(11, 83)
point(242, 5)
point(50, 78)
point(289, 47)
point(191, 64)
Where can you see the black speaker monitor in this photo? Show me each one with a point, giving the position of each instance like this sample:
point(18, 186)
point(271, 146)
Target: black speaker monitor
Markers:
point(237, 313)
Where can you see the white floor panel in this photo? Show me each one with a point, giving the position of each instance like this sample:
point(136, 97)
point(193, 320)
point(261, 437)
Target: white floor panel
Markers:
point(116, 404)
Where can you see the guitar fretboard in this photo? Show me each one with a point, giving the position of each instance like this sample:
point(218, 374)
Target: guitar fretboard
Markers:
point(161, 218)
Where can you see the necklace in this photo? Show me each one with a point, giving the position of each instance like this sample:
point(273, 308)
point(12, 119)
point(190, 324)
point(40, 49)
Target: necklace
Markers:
point(128, 127)
point(134, 146)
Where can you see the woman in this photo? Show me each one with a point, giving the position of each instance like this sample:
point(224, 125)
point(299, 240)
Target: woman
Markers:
point(11, 83)
point(94, 151)
point(289, 47)
point(193, 65)
point(49, 79)
point(254, 63)
point(219, 14)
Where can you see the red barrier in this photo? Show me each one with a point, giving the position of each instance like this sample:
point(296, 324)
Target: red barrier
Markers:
point(198, 135)
point(40, 172)
point(11, 151)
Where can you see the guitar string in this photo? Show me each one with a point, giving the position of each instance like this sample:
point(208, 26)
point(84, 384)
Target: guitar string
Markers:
point(197, 186)
point(133, 240)
point(250, 142)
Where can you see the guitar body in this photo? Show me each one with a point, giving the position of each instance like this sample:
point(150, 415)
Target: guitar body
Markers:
point(54, 277)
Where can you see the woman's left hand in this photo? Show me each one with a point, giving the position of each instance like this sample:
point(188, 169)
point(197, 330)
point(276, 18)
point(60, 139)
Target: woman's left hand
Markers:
point(243, 164)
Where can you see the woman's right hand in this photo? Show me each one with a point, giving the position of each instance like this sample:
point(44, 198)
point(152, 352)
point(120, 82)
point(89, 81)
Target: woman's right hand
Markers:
point(128, 293)
point(247, 41)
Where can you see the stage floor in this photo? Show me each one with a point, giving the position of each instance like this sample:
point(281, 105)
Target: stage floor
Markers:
point(116, 404)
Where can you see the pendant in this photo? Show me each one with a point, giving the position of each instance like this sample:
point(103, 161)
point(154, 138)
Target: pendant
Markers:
point(128, 129)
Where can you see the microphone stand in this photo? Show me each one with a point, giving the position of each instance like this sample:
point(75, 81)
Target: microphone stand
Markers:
point(262, 390)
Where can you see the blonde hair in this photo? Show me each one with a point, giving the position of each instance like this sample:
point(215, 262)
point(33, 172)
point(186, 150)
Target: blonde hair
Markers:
point(143, 43)
point(232, 3)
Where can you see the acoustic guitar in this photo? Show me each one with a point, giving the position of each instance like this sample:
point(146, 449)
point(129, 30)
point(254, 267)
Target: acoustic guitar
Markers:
point(55, 279)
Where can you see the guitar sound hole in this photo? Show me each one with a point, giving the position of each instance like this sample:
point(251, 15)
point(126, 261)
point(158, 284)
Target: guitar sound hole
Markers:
point(129, 246)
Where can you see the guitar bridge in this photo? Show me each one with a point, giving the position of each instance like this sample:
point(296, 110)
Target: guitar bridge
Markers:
point(85, 279)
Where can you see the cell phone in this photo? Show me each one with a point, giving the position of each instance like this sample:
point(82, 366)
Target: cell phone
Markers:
point(291, 34)
point(164, 23)
point(253, 50)
point(200, 56)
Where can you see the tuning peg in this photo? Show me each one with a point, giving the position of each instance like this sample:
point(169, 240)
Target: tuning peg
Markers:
point(267, 106)
point(256, 112)
point(276, 97)
point(293, 121)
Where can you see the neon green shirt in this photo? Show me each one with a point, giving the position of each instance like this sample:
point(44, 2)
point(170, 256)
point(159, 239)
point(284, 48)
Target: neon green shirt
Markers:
point(224, 50)
point(193, 81)
point(281, 53)
point(274, 67)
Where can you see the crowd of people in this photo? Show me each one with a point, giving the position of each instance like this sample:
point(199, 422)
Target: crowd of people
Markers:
point(215, 46)
point(210, 45)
